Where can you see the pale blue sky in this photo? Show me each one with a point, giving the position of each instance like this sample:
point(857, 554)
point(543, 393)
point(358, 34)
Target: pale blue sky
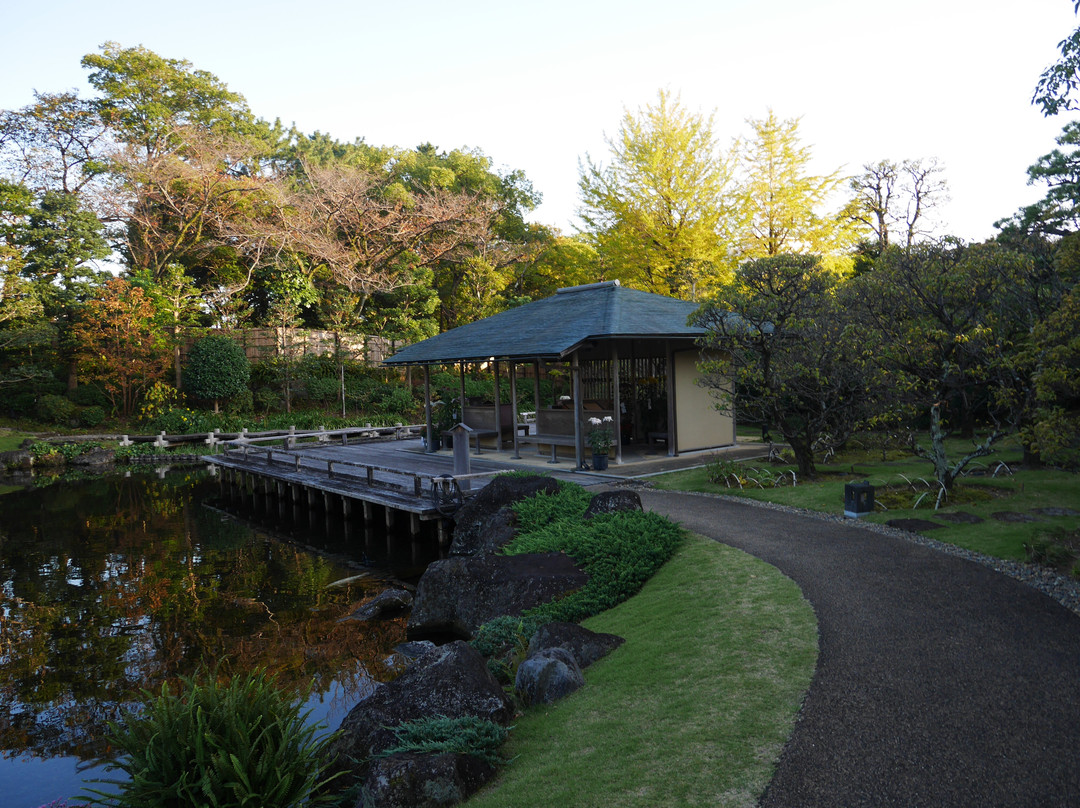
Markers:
point(536, 86)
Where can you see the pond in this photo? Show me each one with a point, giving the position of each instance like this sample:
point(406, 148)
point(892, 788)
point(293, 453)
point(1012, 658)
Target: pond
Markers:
point(116, 584)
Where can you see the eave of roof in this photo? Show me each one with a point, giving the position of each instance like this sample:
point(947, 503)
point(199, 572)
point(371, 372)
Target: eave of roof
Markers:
point(554, 327)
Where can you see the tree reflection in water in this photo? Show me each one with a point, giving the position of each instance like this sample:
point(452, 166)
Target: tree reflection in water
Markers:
point(119, 584)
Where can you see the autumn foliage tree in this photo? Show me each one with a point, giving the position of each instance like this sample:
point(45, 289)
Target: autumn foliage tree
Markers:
point(120, 345)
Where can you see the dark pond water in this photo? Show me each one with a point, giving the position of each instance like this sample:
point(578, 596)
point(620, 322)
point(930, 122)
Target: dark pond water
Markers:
point(121, 583)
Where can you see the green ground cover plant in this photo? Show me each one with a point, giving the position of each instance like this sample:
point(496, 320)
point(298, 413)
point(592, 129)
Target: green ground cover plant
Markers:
point(692, 710)
point(905, 489)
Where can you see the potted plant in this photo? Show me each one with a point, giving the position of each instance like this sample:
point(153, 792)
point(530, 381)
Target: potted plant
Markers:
point(600, 439)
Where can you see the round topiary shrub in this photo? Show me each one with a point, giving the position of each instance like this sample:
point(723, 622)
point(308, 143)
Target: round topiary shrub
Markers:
point(217, 369)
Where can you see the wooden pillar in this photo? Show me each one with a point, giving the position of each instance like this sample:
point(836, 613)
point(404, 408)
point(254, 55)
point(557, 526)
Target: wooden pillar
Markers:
point(367, 512)
point(427, 409)
point(536, 399)
point(575, 375)
point(414, 524)
point(670, 383)
point(513, 408)
point(616, 401)
point(461, 413)
point(498, 406)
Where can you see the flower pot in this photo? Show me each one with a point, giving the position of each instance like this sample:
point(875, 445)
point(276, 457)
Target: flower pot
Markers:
point(599, 461)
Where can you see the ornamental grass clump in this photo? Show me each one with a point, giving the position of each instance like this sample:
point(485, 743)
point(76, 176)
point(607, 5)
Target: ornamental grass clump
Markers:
point(241, 742)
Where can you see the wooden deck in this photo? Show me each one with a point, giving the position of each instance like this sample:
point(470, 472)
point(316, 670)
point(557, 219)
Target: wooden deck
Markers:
point(396, 475)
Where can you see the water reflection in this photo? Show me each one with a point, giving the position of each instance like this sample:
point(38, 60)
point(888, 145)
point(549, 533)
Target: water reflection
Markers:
point(118, 584)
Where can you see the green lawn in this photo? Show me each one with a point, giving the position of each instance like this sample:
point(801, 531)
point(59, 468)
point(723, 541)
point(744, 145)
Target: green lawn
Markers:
point(10, 441)
point(695, 707)
point(906, 486)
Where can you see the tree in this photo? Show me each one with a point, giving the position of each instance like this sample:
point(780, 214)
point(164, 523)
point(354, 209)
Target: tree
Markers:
point(785, 356)
point(120, 345)
point(1061, 79)
point(59, 143)
point(942, 325)
point(782, 207)
point(370, 232)
point(898, 198)
point(217, 368)
point(656, 211)
point(1058, 213)
point(146, 98)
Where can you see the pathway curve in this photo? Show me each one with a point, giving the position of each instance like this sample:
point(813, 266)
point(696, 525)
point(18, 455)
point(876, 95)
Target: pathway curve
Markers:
point(939, 682)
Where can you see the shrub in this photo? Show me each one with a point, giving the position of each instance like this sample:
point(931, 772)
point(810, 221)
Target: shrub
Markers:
point(468, 735)
point(618, 551)
point(238, 743)
point(91, 416)
point(217, 368)
point(90, 395)
point(55, 409)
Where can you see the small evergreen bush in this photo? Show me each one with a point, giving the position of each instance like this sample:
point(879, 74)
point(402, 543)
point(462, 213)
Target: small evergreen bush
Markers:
point(55, 409)
point(91, 416)
point(217, 369)
point(238, 743)
point(468, 735)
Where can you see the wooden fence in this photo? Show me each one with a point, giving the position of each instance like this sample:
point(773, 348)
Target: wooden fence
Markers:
point(266, 343)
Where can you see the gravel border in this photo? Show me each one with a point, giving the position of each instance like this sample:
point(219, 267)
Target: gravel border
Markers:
point(1061, 588)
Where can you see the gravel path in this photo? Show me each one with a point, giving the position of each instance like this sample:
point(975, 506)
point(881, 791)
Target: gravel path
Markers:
point(940, 681)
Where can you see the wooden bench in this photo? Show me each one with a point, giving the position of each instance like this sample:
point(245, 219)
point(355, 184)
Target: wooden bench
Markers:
point(554, 440)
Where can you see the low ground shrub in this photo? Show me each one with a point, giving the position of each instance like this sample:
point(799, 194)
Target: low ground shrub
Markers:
point(468, 735)
point(618, 551)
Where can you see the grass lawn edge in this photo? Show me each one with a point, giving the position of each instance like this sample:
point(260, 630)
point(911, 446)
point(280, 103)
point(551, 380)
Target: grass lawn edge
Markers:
point(693, 709)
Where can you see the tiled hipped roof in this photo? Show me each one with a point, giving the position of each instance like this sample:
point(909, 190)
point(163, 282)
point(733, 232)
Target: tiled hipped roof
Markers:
point(555, 326)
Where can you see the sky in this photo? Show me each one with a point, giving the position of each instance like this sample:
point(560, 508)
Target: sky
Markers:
point(537, 86)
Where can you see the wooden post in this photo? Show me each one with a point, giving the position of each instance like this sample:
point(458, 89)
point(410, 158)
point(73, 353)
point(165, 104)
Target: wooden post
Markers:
point(427, 409)
point(575, 374)
point(513, 409)
point(536, 399)
point(670, 376)
point(498, 408)
point(616, 401)
point(461, 415)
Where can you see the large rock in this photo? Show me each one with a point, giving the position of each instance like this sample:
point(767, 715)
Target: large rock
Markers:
point(613, 502)
point(457, 595)
point(16, 460)
point(477, 529)
point(388, 603)
point(98, 456)
point(451, 680)
point(408, 780)
point(548, 676)
point(586, 646)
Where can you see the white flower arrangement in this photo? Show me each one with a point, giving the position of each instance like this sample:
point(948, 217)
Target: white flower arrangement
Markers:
point(601, 437)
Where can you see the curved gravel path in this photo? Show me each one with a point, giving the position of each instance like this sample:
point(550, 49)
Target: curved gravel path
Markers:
point(940, 682)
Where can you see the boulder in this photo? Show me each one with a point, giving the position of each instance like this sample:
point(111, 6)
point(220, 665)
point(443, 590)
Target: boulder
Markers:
point(613, 502)
point(548, 676)
point(95, 457)
point(410, 780)
point(16, 460)
point(493, 534)
point(388, 603)
point(458, 595)
point(477, 530)
point(585, 646)
point(451, 680)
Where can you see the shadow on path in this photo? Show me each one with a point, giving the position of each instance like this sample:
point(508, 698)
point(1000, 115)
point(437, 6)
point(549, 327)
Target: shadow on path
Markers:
point(939, 682)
